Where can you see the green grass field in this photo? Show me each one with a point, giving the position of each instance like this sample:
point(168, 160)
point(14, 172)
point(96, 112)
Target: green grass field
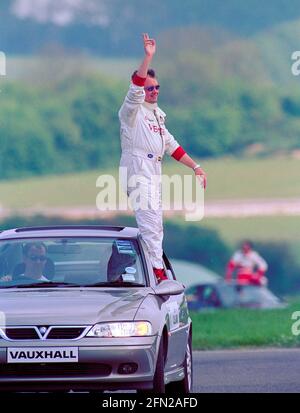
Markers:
point(245, 328)
point(264, 228)
point(232, 178)
point(227, 179)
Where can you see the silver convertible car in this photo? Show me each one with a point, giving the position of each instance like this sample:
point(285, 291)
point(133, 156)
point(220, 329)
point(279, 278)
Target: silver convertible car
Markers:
point(80, 309)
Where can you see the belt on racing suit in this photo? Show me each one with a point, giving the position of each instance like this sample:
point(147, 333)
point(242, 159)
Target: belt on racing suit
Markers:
point(150, 156)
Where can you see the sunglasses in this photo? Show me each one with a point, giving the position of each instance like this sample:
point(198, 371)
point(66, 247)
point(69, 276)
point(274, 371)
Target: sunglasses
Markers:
point(151, 88)
point(36, 258)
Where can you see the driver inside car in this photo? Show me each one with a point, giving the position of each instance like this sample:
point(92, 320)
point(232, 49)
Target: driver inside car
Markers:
point(34, 260)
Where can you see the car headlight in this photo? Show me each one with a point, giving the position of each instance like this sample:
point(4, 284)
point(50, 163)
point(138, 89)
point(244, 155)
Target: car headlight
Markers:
point(126, 329)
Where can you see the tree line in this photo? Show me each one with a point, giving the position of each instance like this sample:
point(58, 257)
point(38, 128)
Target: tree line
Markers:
point(74, 126)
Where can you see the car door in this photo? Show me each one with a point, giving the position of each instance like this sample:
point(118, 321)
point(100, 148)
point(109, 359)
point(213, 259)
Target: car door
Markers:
point(178, 324)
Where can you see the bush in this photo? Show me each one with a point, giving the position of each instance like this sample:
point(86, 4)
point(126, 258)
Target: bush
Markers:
point(200, 245)
point(283, 272)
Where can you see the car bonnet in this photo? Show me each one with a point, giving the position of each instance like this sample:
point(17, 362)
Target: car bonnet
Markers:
point(75, 306)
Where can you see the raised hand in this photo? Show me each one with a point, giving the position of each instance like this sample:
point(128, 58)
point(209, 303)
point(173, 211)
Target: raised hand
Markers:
point(149, 45)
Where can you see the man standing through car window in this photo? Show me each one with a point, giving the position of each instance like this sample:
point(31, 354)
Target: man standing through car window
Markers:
point(144, 140)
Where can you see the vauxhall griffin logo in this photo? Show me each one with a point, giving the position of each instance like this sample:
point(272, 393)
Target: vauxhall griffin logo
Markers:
point(43, 330)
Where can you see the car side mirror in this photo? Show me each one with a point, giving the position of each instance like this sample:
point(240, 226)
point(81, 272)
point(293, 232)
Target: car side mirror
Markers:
point(169, 287)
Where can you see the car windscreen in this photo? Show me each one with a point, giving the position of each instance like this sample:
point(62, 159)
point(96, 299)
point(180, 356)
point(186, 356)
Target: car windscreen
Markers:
point(70, 261)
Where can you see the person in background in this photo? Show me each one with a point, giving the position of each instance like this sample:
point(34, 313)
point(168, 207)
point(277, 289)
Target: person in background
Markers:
point(250, 267)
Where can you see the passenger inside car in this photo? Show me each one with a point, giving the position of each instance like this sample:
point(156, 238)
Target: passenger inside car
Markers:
point(120, 263)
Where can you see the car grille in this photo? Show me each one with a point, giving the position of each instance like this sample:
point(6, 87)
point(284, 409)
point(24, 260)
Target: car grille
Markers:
point(55, 333)
point(22, 334)
point(54, 370)
point(65, 333)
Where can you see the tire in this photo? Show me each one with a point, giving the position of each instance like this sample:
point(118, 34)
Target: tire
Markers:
point(185, 385)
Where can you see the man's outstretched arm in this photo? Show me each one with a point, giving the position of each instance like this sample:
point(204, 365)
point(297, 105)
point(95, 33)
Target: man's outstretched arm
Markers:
point(136, 93)
point(174, 149)
point(189, 162)
point(150, 49)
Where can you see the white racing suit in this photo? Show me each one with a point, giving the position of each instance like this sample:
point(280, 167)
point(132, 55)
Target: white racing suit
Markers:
point(144, 140)
point(250, 267)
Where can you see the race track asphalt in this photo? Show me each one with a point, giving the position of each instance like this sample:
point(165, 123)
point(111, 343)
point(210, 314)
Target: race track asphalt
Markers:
point(247, 371)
